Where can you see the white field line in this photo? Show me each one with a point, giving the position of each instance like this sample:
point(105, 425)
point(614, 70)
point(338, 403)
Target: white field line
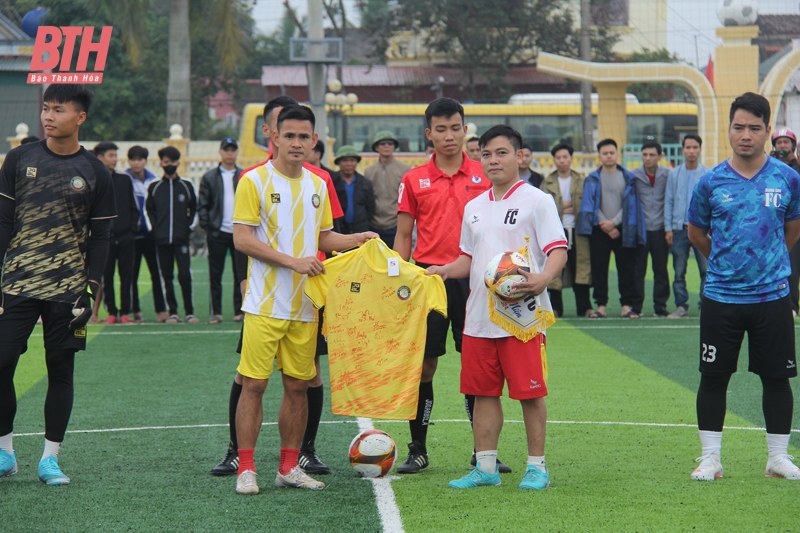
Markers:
point(384, 495)
point(457, 421)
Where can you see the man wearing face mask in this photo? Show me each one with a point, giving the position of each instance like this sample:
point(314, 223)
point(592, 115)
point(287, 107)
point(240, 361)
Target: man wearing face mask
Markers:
point(784, 149)
point(171, 208)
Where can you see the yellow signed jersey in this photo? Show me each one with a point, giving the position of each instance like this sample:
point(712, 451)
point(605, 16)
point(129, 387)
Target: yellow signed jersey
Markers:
point(288, 215)
point(376, 326)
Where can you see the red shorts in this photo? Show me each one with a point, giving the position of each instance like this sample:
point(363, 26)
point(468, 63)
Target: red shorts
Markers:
point(487, 363)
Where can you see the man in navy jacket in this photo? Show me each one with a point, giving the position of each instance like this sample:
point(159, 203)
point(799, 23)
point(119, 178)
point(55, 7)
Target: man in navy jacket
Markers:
point(611, 216)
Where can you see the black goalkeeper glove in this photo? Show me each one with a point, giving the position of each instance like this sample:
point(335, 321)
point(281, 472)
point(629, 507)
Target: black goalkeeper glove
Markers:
point(83, 306)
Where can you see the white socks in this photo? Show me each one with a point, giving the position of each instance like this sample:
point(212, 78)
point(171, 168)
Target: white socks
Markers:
point(776, 444)
point(711, 441)
point(51, 448)
point(487, 461)
point(6, 443)
point(538, 462)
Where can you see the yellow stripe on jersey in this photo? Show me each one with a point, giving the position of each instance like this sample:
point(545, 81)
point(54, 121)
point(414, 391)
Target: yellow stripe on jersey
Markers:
point(287, 214)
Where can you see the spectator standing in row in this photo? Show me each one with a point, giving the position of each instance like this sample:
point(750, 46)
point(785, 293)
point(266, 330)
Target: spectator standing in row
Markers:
point(171, 208)
point(316, 155)
point(652, 187)
point(354, 191)
point(525, 171)
point(680, 184)
point(784, 148)
point(611, 216)
point(385, 176)
point(121, 248)
point(566, 187)
point(215, 213)
point(144, 244)
point(473, 149)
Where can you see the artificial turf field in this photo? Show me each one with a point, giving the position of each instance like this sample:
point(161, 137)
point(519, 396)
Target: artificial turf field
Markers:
point(150, 420)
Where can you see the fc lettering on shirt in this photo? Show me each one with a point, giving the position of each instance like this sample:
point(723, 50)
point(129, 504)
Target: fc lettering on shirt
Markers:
point(511, 216)
point(772, 197)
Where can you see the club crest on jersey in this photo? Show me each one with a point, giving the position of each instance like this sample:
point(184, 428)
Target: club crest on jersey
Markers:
point(77, 183)
point(30, 172)
point(424, 183)
point(476, 179)
point(181, 198)
point(404, 293)
point(355, 287)
point(275, 197)
point(772, 197)
point(315, 201)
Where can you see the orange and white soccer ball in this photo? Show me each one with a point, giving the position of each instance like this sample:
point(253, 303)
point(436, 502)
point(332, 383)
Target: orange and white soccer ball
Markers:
point(373, 453)
point(502, 272)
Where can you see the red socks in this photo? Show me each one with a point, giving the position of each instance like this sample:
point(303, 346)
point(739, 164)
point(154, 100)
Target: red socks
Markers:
point(246, 460)
point(288, 460)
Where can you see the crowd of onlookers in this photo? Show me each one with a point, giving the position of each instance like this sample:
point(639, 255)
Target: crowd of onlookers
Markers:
point(639, 215)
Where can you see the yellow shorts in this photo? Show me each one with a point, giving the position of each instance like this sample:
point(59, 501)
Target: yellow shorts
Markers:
point(291, 342)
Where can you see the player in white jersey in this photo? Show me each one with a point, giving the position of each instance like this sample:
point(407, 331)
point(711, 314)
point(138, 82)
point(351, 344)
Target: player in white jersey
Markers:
point(495, 222)
point(282, 216)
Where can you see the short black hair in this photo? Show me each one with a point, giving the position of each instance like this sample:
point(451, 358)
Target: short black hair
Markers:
point(694, 137)
point(443, 107)
point(562, 146)
point(526, 147)
point(137, 152)
point(428, 143)
point(29, 139)
point(103, 147)
point(170, 152)
point(471, 139)
point(275, 103)
point(296, 112)
point(652, 144)
point(502, 130)
point(606, 142)
point(77, 94)
point(753, 103)
point(320, 148)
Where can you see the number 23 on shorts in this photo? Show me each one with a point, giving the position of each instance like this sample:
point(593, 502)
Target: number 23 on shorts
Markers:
point(709, 353)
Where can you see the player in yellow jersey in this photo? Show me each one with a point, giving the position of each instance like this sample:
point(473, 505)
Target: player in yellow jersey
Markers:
point(282, 217)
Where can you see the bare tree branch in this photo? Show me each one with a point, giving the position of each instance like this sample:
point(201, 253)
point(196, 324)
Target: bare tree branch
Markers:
point(332, 15)
point(294, 18)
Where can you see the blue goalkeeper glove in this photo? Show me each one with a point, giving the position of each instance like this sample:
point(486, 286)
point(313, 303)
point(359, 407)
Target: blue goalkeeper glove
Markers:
point(83, 306)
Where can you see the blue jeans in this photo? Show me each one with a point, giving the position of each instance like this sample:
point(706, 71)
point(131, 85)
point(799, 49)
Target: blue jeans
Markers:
point(387, 235)
point(680, 257)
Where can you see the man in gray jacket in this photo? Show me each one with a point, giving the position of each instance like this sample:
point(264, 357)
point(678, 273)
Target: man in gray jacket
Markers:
point(651, 182)
point(215, 211)
point(680, 184)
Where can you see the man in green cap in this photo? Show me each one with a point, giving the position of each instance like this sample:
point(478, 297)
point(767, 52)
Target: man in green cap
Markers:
point(385, 176)
point(354, 191)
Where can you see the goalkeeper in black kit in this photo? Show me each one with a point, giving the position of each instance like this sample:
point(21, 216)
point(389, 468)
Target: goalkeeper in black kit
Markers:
point(56, 206)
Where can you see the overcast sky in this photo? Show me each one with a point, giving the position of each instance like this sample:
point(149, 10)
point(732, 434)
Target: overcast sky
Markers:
point(689, 18)
point(685, 20)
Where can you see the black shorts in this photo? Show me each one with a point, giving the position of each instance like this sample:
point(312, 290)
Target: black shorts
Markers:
point(770, 336)
point(19, 318)
point(322, 342)
point(436, 340)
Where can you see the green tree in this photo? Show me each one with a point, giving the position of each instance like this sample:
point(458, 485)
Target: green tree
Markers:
point(483, 38)
point(657, 92)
